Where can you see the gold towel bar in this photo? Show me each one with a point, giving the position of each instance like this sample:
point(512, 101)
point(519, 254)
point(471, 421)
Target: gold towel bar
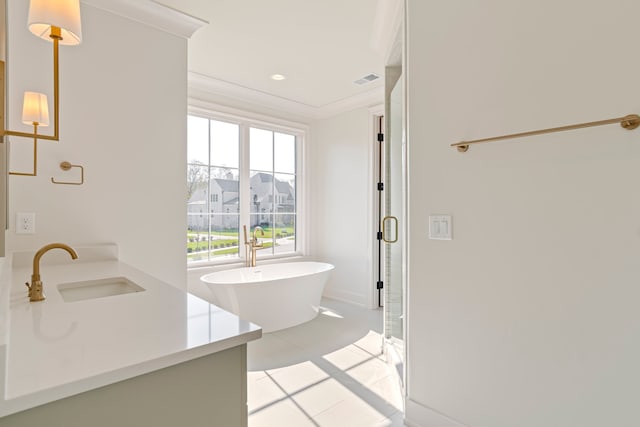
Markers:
point(629, 122)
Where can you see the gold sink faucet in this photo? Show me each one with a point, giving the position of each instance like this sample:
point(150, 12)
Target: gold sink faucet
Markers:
point(252, 245)
point(35, 289)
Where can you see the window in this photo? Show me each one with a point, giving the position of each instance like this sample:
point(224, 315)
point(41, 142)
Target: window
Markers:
point(251, 174)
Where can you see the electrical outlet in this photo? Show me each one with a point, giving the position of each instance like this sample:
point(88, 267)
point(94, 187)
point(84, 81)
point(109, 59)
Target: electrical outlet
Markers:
point(25, 223)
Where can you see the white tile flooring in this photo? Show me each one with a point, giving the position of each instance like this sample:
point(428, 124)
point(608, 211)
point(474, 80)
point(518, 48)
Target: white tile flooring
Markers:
point(328, 372)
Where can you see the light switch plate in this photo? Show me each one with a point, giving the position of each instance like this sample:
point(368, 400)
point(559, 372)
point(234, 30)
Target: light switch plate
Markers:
point(25, 223)
point(440, 227)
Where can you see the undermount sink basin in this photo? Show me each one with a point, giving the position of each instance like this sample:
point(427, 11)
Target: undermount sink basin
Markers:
point(92, 289)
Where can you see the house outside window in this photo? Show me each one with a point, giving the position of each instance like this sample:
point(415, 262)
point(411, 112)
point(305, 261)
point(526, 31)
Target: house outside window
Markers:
point(251, 172)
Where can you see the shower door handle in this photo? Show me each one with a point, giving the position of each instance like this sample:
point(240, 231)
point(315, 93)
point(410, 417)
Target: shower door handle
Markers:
point(384, 231)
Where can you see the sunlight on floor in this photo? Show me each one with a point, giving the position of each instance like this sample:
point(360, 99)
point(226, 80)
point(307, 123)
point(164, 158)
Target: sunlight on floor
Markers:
point(328, 372)
point(327, 312)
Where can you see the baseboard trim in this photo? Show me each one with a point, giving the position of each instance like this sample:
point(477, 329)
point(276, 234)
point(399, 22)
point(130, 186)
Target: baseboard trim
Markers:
point(419, 415)
point(349, 297)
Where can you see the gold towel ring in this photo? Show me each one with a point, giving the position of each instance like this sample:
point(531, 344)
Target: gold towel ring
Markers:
point(65, 166)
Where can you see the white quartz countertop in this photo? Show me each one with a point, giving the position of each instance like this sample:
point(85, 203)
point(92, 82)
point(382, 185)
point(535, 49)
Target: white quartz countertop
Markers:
point(53, 349)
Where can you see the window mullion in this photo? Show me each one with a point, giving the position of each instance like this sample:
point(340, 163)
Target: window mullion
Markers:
point(300, 196)
point(208, 195)
point(245, 191)
point(274, 193)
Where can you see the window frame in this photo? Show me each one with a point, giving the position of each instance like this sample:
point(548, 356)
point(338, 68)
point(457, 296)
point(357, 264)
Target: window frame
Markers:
point(246, 121)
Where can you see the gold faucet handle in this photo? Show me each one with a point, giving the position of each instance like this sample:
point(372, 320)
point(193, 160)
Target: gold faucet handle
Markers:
point(35, 291)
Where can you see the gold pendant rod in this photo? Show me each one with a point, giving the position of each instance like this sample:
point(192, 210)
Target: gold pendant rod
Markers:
point(35, 155)
point(31, 135)
point(55, 36)
point(629, 122)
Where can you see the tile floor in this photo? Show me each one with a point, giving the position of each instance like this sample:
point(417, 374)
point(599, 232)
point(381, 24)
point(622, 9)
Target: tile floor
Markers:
point(328, 372)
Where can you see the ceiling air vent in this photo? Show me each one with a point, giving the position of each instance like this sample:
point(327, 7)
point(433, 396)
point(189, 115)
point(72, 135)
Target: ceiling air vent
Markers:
point(367, 79)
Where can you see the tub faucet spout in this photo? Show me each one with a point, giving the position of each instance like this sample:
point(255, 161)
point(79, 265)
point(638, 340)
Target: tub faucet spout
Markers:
point(255, 230)
point(252, 245)
point(35, 288)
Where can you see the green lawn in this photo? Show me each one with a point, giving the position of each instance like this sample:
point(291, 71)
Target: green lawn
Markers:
point(215, 244)
point(280, 232)
point(226, 242)
point(202, 253)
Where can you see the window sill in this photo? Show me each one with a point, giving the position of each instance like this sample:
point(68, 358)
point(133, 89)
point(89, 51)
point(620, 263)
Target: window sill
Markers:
point(228, 264)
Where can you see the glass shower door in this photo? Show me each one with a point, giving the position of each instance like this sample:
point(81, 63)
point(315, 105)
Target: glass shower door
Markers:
point(393, 224)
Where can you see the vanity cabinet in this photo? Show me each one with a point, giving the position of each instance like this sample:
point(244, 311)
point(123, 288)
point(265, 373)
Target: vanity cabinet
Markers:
point(206, 392)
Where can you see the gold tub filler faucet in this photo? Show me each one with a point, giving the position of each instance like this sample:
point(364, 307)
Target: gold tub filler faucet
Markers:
point(252, 245)
point(35, 289)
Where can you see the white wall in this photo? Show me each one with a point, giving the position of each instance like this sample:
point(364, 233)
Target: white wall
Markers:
point(123, 117)
point(341, 209)
point(529, 317)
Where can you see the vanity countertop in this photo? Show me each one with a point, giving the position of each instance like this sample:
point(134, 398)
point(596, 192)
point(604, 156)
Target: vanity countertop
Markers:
point(54, 349)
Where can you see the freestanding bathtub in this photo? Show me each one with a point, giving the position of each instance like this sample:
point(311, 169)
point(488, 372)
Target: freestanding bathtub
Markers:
point(273, 296)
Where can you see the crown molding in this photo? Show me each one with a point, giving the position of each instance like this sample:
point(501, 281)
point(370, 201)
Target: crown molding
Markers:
point(152, 13)
point(220, 111)
point(213, 87)
point(366, 99)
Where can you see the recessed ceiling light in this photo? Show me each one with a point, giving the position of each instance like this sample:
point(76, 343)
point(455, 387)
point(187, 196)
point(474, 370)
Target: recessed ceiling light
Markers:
point(278, 77)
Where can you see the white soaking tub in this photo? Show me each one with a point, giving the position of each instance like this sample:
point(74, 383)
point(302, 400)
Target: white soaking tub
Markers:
point(273, 296)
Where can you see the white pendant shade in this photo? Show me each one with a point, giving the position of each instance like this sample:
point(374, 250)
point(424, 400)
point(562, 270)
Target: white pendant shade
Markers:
point(65, 14)
point(35, 109)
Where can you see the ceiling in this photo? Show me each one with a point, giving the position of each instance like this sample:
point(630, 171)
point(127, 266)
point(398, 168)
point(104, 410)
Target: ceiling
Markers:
point(321, 46)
